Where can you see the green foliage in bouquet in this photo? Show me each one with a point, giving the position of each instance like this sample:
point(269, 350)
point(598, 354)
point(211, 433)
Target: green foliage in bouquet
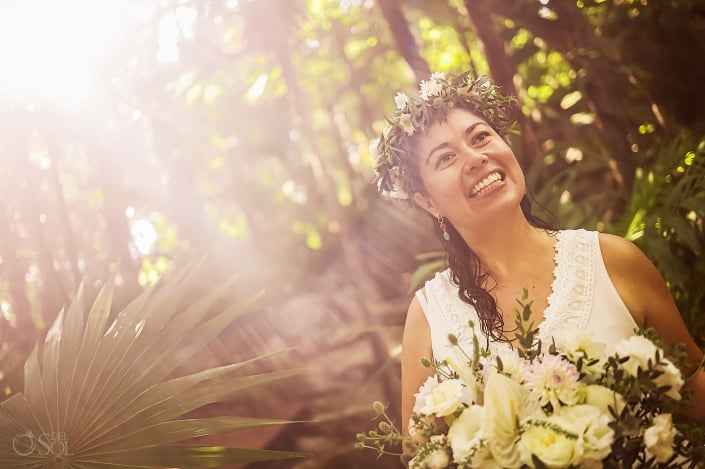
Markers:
point(566, 405)
point(109, 396)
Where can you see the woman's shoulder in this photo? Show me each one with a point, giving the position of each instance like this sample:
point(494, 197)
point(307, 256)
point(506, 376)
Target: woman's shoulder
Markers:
point(636, 279)
point(619, 252)
point(440, 280)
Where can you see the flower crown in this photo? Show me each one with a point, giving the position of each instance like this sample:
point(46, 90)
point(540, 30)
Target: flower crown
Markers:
point(437, 96)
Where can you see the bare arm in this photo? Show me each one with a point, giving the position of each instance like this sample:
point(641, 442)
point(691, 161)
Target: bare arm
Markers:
point(416, 344)
point(647, 298)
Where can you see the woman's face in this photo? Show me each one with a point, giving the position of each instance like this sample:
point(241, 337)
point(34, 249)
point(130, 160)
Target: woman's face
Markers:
point(470, 174)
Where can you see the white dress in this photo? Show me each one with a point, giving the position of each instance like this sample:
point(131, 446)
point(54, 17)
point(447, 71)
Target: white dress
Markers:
point(582, 299)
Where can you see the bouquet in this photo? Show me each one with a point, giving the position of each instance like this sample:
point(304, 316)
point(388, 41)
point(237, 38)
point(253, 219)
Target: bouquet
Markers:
point(571, 405)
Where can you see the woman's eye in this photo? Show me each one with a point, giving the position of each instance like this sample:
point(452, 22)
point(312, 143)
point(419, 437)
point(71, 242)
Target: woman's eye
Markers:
point(480, 137)
point(444, 158)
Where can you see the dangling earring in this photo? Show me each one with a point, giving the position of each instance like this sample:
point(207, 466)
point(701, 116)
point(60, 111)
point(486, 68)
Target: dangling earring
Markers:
point(442, 225)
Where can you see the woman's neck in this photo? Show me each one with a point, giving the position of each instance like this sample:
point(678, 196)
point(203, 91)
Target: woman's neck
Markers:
point(508, 247)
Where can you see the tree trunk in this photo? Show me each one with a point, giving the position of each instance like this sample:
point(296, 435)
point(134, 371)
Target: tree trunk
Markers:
point(406, 45)
point(502, 70)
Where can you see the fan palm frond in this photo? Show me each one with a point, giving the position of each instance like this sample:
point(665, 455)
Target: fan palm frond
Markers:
point(105, 396)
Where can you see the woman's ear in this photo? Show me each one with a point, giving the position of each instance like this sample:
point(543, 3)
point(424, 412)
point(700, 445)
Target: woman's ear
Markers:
point(426, 204)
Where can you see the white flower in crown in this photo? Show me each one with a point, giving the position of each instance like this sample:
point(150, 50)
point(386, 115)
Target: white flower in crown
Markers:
point(438, 76)
point(406, 124)
point(401, 100)
point(431, 87)
point(397, 191)
point(374, 145)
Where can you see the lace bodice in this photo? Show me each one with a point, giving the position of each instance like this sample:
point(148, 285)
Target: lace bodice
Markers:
point(570, 301)
point(582, 299)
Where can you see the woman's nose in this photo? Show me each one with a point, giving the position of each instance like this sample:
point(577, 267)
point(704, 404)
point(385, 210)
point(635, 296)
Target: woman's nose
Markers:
point(474, 160)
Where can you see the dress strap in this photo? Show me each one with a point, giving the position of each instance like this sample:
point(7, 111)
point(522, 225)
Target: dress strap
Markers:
point(447, 314)
point(570, 302)
point(422, 302)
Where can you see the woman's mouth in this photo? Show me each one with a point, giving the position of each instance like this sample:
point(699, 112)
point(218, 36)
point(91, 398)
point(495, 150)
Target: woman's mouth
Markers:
point(486, 184)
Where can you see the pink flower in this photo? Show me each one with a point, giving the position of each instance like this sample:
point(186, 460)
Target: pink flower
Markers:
point(553, 380)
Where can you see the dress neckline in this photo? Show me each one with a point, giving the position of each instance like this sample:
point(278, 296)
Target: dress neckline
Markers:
point(568, 308)
point(570, 301)
point(571, 287)
point(551, 300)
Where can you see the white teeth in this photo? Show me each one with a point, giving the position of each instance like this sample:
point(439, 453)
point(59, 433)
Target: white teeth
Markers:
point(480, 186)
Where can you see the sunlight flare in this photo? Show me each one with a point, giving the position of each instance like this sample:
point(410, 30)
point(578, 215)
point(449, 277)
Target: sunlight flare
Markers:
point(53, 50)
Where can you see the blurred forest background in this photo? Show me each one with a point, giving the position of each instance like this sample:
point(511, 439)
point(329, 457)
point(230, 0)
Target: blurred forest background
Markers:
point(138, 136)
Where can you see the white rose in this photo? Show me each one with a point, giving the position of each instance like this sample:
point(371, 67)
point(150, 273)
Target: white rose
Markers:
point(444, 399)
point(405, 123)
point(640, 350)
point(547, 440)
point(602, 398)
point(578, 345)
point(671, 377)
point(401, 100)
point(425, 389)
point(658, 438)
point(465, 435)
point(506, 403)
point(595, 437)
point(574, 342)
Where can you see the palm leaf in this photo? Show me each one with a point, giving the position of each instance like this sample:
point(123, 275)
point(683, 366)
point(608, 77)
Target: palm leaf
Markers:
point(105, 396)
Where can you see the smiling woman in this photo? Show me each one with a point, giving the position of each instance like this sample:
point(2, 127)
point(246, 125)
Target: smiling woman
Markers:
point(445, 152)
point(53, 50)
point(474, 165)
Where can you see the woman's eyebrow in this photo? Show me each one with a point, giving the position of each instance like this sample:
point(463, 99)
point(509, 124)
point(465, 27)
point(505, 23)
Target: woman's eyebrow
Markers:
point(468, 131)
point(438, 147)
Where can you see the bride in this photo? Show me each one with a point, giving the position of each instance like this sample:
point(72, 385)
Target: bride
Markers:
point(445, 151)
